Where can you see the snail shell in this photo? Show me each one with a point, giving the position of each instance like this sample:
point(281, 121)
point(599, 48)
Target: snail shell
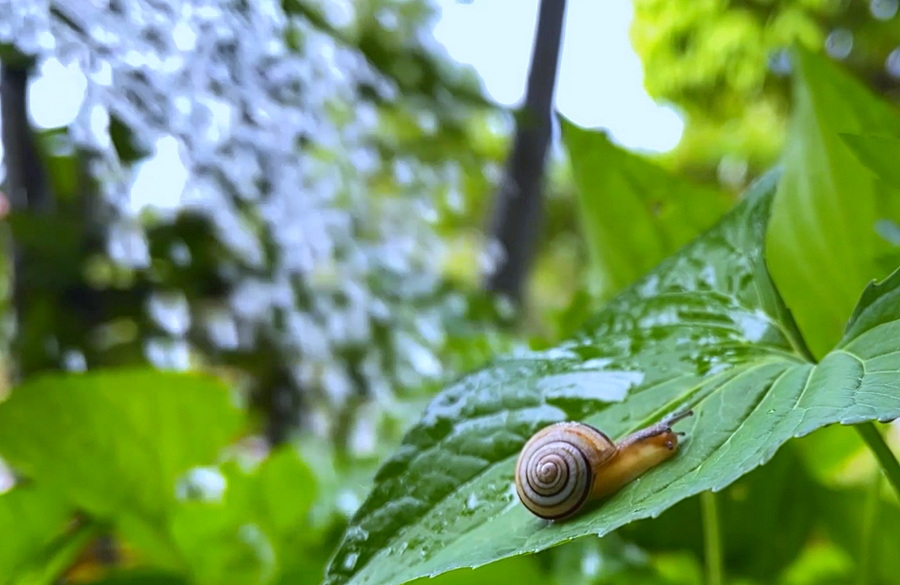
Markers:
point(566, 464)
point(554, 474)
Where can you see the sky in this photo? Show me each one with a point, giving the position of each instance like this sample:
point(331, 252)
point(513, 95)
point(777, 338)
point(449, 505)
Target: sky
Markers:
point(600, 82)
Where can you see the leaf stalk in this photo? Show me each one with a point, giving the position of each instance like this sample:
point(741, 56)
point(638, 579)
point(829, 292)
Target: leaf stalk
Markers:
point(889, 464)
point(712, 538)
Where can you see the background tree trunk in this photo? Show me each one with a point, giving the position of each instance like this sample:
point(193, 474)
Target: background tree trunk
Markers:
point(26, 184)
point(517, 213)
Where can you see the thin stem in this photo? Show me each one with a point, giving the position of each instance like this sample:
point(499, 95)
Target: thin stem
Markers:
point(59, 555)
point(889, 464)
point(867, 542)
point(518, 208)
point(712, 538)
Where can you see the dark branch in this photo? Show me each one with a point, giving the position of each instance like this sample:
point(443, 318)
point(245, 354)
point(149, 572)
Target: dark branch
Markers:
point(517, 215)
point(26, 179)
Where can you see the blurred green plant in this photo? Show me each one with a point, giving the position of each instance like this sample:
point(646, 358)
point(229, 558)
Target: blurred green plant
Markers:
point(140, 476)
point(725, 66)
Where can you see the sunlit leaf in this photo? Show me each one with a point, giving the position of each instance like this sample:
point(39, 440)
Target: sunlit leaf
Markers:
point(823, 246)
point(878, 153)
point(633, 212)
point(705, 330)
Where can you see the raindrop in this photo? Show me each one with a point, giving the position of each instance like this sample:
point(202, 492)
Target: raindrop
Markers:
point(889, 230)
point(357, 533)
point(168, 354)
point(892, 63)
point(883, 9)
point(591, 563)
point(201, 483)
point(347, 502)
point(47, 110)
point(732, 171)
point(180, 254)
point(364, 436)
point(7, 479)
point(221, 328)
point(839, 43)
point(127, 245)
point(752, 327)
point(780, 62)
point(350, 561)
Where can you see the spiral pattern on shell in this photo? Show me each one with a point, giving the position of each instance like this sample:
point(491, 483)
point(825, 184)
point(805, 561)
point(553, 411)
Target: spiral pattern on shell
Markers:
point(555, 470)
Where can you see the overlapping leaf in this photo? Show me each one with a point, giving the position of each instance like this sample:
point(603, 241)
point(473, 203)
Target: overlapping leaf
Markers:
point(634, 213)
point(824, 246)
point(705, 330)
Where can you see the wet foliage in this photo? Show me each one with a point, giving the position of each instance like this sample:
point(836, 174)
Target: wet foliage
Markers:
point(267, 361)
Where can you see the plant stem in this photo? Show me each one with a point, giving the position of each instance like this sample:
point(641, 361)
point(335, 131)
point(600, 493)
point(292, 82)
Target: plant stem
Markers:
point(59, 555)
point(712, 538)
point(518, 207)
point(889, 464)
point(867, 542)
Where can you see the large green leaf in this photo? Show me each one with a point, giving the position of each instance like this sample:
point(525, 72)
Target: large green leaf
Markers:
point(823, 246)
point(633, 212)
point(115, 443)
point(880, 154)
point(877, 153)
point(706, 330)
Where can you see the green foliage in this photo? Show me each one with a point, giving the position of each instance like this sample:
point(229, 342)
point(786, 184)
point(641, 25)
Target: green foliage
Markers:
point(705, 329)
point(634, 213)
point(876, 152)
point(723, 64)
point(36, 517)
point(251, 532)
point(129, 436)
point(140, 451)
point(158, 461)
point(823, 245)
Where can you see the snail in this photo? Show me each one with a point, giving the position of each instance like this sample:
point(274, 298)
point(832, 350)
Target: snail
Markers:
point(568, 463)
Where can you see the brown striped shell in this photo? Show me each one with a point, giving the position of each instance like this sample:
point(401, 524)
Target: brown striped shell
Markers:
point(554, 473)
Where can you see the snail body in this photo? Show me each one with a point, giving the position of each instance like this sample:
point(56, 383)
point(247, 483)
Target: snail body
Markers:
point(567, 464)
